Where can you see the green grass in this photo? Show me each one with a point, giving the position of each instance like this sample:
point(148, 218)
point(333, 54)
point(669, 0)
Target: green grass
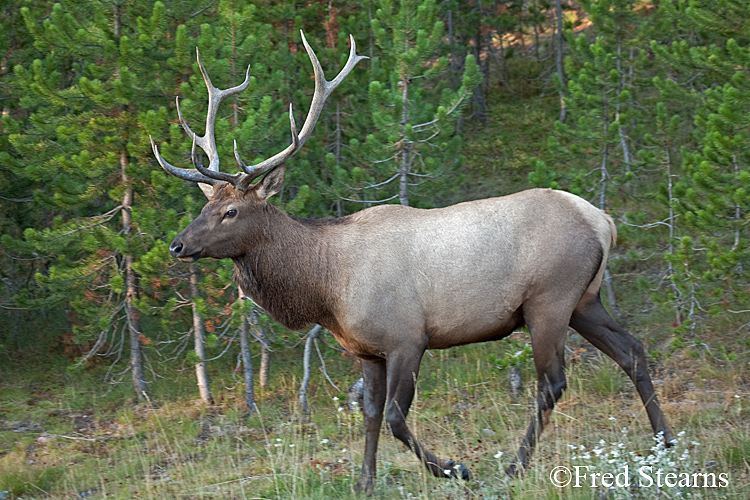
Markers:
point(607, 378)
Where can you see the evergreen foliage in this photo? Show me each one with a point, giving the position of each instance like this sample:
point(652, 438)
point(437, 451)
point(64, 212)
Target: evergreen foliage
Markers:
point(413, 111)
point(657, 132)
point(85, 151)
point(712, 196)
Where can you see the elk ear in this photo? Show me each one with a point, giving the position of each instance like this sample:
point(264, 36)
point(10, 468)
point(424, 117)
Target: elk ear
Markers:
point(207, 189)
point(271, 183)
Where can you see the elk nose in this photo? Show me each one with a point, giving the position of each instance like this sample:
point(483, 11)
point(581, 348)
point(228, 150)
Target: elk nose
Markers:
point(175, 248)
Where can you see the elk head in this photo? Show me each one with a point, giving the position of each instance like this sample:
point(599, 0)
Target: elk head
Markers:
point(235, 203)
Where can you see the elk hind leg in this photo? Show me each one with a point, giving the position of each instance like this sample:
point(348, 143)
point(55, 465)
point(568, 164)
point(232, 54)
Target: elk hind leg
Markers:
point(547, 344)
point(403, 368)
point(594, 323)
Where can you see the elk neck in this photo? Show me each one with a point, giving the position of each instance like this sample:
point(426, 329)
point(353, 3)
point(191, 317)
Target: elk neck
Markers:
point(288, 270)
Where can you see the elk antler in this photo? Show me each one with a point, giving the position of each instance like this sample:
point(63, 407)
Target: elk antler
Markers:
point(207, 142)
point(241, 180)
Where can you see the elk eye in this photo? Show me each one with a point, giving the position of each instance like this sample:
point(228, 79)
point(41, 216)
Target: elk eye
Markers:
point(230, 213)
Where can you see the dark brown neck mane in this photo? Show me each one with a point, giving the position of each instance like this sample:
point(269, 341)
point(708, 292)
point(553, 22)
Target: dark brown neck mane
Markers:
point(288, 272)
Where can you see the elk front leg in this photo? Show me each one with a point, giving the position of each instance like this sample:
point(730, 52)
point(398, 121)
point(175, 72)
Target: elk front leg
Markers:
point(403, 368)
point(374, 375)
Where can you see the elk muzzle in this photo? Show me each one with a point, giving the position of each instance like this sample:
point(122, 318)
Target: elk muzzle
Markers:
point(179, 250)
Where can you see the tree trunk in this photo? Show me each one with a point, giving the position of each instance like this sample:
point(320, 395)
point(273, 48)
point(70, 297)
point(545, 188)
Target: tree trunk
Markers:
point(247, 366)
point(477, 99)
point(608, 284)
point(521, 30)
point(199, 334)
point(457, 63)
point(559, 57)
point(670, 248)
point(611, 299)
point(403, 186)
point(455, 72)
point(265, 353)
point(504, 73)
point(621, 130)
point(372, 35)
point(336, 149)
point(15, 336)
point(134, 329)
point(306, 367)
point(133, 316)
point(265, 360)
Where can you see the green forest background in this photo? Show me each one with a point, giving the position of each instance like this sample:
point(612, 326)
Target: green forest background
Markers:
point(642, 108)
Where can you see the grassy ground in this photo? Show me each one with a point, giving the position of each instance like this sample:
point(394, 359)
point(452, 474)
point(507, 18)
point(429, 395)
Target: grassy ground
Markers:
point(62, 437)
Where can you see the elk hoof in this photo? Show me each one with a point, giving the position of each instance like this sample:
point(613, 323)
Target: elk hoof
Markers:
point(457, 471)
point(513, 470)
point(365, 490)
point(365, 486)
point(669, 441)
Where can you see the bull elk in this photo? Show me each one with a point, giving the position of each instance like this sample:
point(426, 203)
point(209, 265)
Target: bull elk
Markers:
point(391, 281)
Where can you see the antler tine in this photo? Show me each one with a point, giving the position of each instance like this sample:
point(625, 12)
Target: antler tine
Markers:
point(183, 122)
point(211, 174)
point(214, 174)
point(207, 142)
point(323, 90)
point(183, 173)
point(295, 138)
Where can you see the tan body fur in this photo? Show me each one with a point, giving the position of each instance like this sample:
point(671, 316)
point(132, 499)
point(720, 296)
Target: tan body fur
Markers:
point(460, 274)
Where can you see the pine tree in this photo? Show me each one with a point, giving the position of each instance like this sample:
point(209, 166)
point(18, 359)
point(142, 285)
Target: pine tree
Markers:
point(606, 90)
point(18, 208)
point(227, 41)
point(88, 95)
point(413, 111)
point(661, 152)
point(617, 23)
point(231, 46)
point(712, 198)
point(605, 101)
